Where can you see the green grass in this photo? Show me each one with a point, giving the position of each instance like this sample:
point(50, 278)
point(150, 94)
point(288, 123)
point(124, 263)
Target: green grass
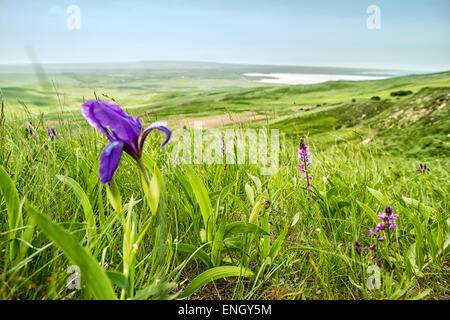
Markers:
point(242, 234)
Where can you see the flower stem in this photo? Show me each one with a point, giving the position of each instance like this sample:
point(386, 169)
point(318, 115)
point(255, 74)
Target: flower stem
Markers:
point(144, 171)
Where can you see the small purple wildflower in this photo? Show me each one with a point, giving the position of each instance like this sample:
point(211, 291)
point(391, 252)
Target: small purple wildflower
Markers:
point(358, 247)
point(223, 146)
point(423, 168)
point(305, 158)
point(382, 216)
point(52, 133)
point(387, 223)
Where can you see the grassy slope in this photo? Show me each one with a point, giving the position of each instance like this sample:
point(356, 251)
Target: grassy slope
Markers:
point(329, 222)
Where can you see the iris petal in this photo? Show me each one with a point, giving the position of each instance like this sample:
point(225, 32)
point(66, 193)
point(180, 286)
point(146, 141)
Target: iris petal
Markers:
point(109, 117)
point(109, 160)
point(87, 110)
point(159, 125)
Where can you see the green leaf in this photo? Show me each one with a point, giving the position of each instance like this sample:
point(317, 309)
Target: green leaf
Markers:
point(115, 200)
point(195, 251)
point(217, 244)
point(201, 194)
point(214, 274)
point(119, 280)
point(250, 193)
point(368, 210)
point(243, 227)
point(152, 192)
point(85, 203)
point(91, 273)
point(446, 243)
point(295, 219)
point(265, 225)
point(412, 258)
point(8, 189)
point(417, 204)
point(240, 204)
point(379, 196)
point(421, 295)
point(15, 218)
point(255, 212)
point(257, 182)
point(275, 249)
point(158, 291)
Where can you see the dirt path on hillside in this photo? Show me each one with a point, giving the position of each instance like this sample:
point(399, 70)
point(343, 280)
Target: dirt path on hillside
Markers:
point(217, 121)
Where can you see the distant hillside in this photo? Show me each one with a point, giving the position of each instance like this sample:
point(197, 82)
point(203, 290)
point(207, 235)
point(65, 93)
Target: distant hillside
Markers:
point(407, 114)
point(417, 125)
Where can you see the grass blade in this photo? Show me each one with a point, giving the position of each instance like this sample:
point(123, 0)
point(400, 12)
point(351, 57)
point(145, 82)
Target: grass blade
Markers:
point(85, 203)
point(201, 194)
point(15, 219)
point(94, 277)
point(214, 274)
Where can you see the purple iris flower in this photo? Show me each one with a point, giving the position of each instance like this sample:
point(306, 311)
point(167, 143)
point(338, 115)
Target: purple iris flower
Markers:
point(123, 131)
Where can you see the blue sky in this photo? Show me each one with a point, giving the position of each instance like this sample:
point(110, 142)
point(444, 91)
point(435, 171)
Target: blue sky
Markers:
point(414, 35)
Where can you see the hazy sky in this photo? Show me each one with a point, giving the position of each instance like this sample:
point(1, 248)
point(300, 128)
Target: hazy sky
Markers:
point(414, 34)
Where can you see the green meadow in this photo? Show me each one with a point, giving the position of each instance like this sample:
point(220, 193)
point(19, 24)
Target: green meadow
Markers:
point(224, 231)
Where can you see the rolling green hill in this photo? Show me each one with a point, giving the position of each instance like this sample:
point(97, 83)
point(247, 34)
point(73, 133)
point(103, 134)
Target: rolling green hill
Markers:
point(415, 125)
point(295, 238)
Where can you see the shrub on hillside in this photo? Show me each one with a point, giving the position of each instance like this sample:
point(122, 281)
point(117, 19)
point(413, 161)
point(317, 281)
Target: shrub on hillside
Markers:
point(400, 93)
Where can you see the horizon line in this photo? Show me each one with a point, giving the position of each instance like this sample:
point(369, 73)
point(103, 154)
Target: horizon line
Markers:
point(29, 63)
